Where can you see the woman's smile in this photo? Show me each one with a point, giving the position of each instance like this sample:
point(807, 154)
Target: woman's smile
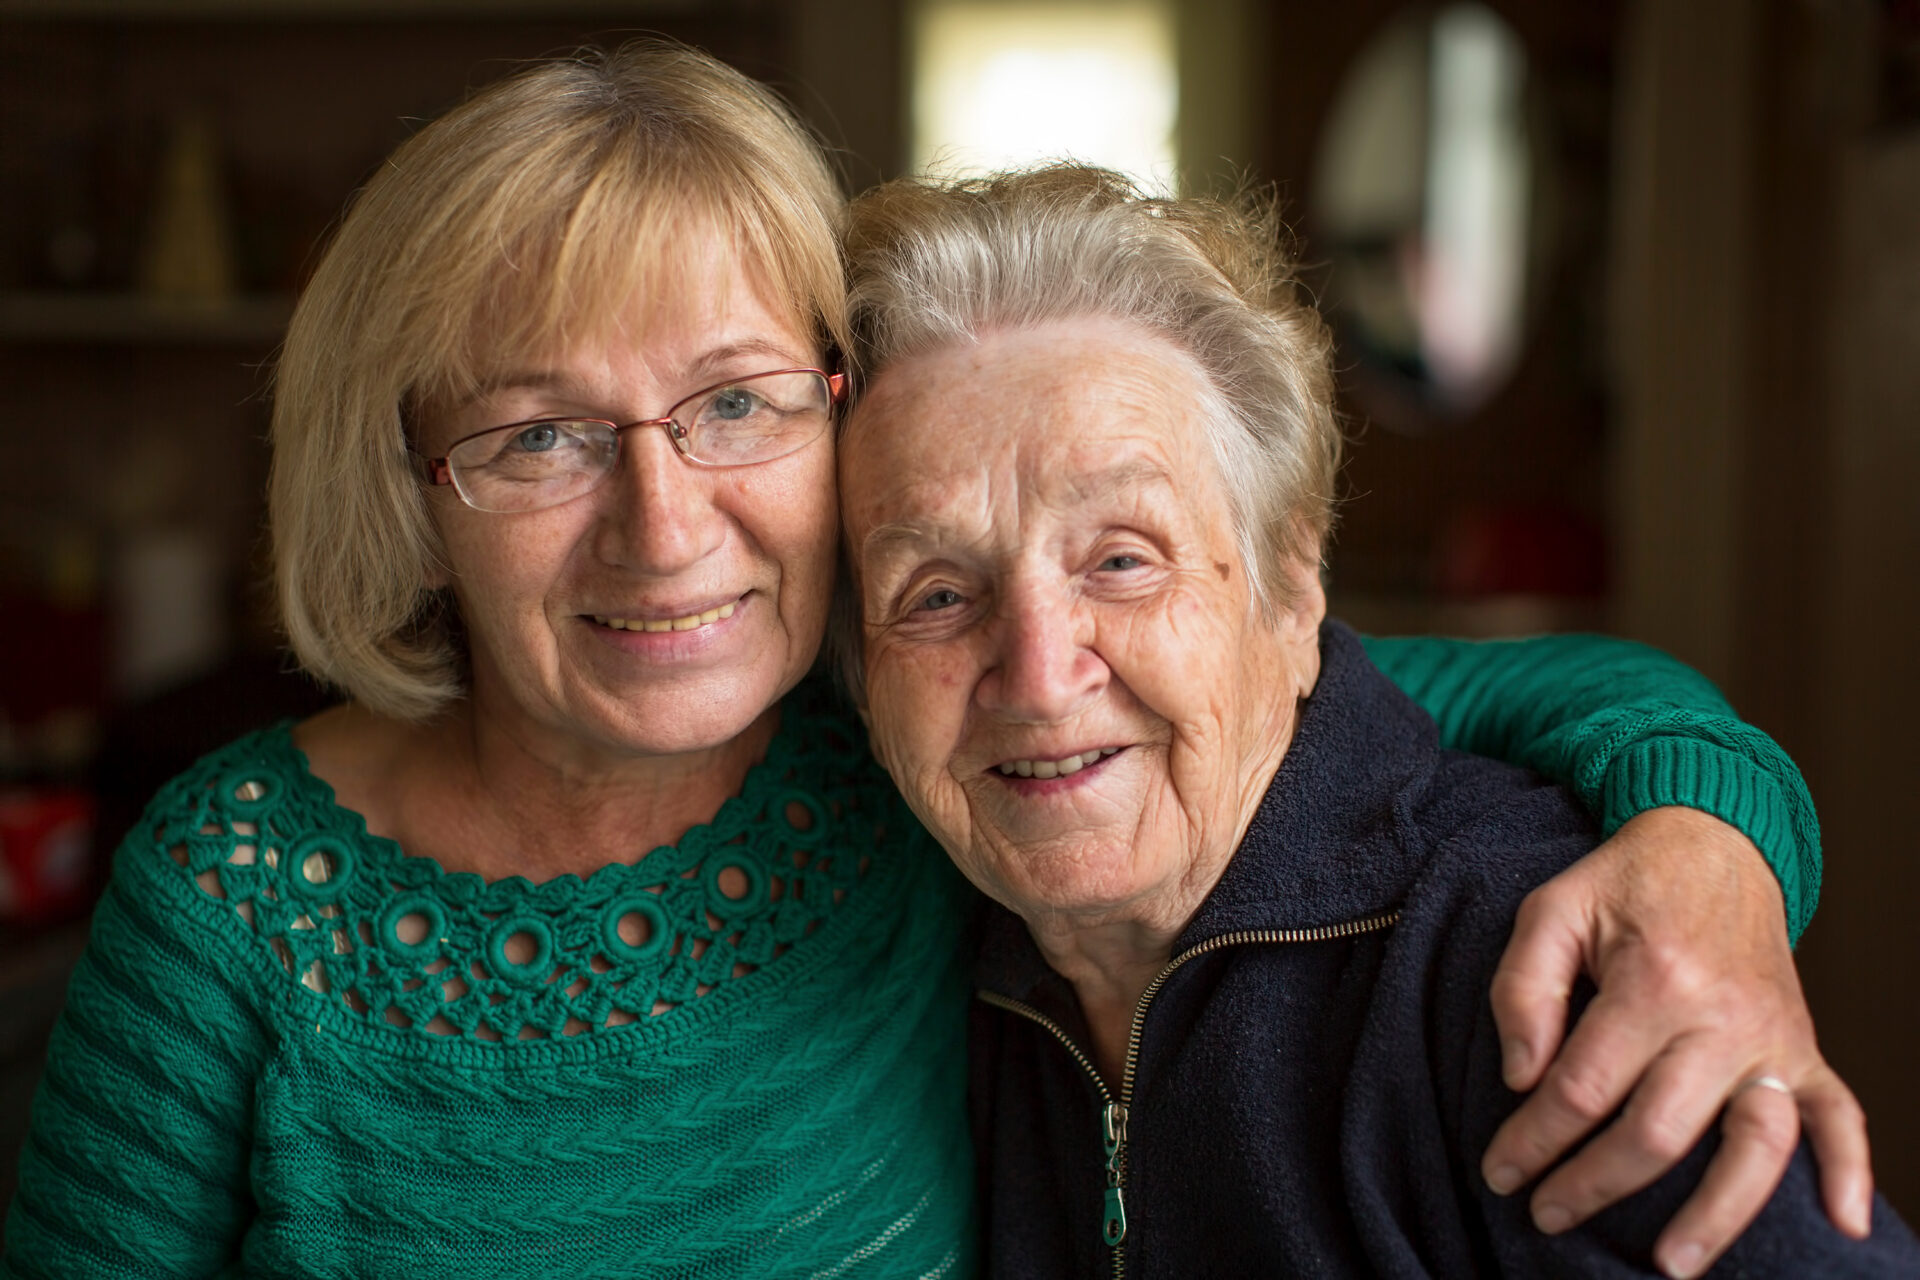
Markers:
point(667, 633)
point(1044, 769)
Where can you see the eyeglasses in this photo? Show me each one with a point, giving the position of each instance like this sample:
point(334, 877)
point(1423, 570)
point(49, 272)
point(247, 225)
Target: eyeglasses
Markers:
point(525, 466)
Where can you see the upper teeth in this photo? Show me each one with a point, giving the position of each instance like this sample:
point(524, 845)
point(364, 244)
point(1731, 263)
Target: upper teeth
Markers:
point(1055, 768)
point(687, 623)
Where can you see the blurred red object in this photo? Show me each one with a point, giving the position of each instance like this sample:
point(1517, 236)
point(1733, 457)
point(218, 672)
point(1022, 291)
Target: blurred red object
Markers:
point(46, 853)
point(1537, 551)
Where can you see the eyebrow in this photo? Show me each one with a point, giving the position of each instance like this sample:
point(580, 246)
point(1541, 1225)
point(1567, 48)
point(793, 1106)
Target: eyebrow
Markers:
point(708, 365)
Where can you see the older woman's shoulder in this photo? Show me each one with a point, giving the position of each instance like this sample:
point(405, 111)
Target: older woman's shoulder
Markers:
point(1490, 833)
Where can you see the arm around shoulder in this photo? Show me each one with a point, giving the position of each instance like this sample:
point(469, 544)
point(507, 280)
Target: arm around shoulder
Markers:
point(1626, 728)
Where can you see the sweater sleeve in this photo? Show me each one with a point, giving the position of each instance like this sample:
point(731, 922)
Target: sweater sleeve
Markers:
point(136, 1157)
point(1626, 728)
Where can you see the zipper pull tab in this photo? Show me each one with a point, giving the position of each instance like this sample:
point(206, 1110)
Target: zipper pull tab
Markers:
point(1113, 1124)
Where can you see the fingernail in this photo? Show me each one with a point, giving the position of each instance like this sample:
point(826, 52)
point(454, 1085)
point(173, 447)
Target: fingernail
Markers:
point(1683, 1262)
point(1505, 1180)
point(1552, 1219)
point(1513, 1059)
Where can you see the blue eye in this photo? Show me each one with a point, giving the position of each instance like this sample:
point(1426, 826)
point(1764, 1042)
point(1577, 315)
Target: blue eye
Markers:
point(538, 438)
point(944, 598)
point(1120, 562)
point(734, 403)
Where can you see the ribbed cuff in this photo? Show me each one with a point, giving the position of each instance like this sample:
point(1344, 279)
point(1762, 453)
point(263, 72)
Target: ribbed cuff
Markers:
point(1738, 787)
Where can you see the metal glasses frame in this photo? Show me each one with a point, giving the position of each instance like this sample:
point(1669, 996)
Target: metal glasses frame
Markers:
point(440, 470)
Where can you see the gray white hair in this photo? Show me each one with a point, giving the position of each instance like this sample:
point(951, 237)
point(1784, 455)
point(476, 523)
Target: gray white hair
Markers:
point(932, 264)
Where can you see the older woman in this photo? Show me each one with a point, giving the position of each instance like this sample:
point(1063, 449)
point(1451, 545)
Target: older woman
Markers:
point(1234, 1016)
point(585, 938)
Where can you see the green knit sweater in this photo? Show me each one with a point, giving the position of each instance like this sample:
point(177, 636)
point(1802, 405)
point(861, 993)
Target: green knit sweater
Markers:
point(292, 1050)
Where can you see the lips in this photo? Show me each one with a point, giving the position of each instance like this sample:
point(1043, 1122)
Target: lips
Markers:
point(685, 622)
point(1055, 768)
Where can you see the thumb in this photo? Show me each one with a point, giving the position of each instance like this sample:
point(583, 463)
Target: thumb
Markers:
point(1533, 984)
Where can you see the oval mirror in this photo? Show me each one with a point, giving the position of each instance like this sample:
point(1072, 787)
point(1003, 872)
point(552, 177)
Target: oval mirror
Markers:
point(1424, 207)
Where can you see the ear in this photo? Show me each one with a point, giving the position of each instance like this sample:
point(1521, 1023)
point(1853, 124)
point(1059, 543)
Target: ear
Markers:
point(1300, 603)
point(1300, 607)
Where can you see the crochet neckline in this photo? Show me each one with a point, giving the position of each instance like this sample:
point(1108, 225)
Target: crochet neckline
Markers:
point(777, 762)
point(388, 937)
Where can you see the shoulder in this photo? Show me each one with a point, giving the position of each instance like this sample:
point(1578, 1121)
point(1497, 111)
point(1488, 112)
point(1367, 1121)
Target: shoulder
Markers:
point(1495, 832)
point(216, 848)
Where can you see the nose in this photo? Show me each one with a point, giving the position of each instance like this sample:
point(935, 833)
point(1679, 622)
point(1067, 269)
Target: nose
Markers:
point(659, 512)
point(1046, 668)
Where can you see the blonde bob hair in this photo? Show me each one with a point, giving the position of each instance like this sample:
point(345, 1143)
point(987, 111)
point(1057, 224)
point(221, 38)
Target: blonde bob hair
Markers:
point(933, 264)
point(519, 223)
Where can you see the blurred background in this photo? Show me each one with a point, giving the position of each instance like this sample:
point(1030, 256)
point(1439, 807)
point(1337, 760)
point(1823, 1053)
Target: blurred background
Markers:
point(1628, 295)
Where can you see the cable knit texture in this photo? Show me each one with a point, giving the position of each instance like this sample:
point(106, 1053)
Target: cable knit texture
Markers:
point(1626, 729)
point(292, 1050)
point(292, 1046)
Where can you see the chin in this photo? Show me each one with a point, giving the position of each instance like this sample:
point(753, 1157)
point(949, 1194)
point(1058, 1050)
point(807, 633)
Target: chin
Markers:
point(1076, 881)
point(682, 717)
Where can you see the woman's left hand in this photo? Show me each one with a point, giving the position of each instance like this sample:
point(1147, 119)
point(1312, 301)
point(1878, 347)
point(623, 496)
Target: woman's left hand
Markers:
point(1680, 923)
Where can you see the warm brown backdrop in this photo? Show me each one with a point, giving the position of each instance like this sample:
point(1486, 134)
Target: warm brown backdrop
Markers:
point(1724, 379)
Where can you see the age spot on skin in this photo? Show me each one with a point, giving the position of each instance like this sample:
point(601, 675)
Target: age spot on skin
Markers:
point(1221, 567)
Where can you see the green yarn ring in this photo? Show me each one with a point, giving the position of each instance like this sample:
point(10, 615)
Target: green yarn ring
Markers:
point(643, 904)
point(413, 904)
point(227, 791)
point(332, 846)
point(534, 971)
point(729, 908)
point(813, 837)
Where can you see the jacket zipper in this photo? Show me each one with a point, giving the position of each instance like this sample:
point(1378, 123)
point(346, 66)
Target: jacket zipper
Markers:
point(1113, 1113)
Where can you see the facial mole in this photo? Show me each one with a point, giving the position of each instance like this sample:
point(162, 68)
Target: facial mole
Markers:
point(1220, 567)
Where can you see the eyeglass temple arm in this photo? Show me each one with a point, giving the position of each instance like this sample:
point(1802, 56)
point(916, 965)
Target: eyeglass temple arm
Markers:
point(438, 471)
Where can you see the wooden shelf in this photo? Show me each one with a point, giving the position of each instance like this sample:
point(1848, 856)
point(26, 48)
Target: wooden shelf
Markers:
point(256, 321)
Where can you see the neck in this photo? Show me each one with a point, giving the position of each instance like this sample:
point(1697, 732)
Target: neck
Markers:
point(541, 810)
point(1109, 965)
point(474, 796)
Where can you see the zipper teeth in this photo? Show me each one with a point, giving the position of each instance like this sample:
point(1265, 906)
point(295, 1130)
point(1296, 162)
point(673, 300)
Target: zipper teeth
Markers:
point(1032, 1014)
point(1320, 933)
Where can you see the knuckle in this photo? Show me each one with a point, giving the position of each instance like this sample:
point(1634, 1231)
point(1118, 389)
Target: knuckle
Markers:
point(1773, 1130)
point(1582, 1091)
point(1833, 1103)
point(1661, 1134)
point(1510, 987)
point(1674, 972)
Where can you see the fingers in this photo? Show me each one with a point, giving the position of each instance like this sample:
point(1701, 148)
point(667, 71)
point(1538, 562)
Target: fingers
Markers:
point(1837, 1128)
point(1531, 987)
point(1608, 1051)
point(1761, 1127)
point(1670, 1109)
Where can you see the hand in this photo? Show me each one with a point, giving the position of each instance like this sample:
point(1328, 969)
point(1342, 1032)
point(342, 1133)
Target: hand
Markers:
point(1680, 923)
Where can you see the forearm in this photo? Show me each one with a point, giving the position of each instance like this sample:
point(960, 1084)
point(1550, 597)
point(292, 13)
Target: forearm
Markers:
point(1626, 728)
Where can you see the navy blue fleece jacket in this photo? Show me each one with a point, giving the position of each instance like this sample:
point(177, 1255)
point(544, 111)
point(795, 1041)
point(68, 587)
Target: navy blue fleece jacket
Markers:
point(1319, 1108)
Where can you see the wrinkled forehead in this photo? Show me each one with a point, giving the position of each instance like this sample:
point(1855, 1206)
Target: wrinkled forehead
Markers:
point(1063, 416)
